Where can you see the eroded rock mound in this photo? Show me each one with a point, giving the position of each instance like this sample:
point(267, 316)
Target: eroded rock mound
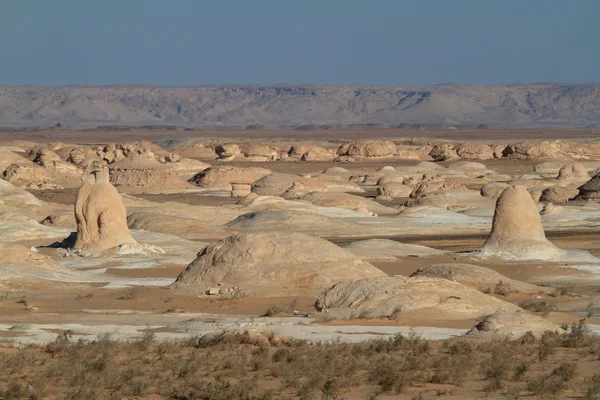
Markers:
point(478, 278)
point(367, 149)
point(144, 172)
point(536, 150)
point(100, 214)
point(513, 324)
point(397, 296)
point(273, 264)
point(474, 151)
point(574, 171)
point(591, 189)
point(187, 228)
point(223, 176)
point(444, 152)
point(558, 194)
point(277, 184)
point(27, 175)
point(517, 231)
point(385, 248)
point(18, 262)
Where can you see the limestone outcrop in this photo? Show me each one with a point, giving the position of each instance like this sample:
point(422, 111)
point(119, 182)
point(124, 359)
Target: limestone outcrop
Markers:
point(273, 264)
point(517, 231)
point(100, 214)
point(397, 296)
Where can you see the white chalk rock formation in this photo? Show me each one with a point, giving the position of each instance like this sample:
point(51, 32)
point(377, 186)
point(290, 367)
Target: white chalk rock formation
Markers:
point(517, 231)
point(385, 248)
point(100, 214)
point(397, 296)
point(273, 264)
point(478, 277)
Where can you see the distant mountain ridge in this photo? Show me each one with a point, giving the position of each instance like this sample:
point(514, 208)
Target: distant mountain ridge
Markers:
point(534, 105)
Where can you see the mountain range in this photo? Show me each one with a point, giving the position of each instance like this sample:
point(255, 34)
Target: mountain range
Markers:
point(532, 105)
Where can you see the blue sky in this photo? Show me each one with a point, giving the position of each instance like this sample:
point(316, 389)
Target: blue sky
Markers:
point(379, 42)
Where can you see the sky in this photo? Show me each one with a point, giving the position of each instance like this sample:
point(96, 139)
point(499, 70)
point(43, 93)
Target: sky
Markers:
point(339, 42)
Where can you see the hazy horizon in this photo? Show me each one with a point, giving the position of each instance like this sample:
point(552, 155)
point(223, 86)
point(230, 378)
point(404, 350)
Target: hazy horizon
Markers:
point(350, 42)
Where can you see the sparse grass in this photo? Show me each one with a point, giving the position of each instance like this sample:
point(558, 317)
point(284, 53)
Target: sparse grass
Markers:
point(537, 306)
point(86, 296)
point(593, 308)
point(229, 366)
point(485, 290)
point(503, 289)
point(275, 309)
point(563, 291)
point(128, 295)
point(593, 388)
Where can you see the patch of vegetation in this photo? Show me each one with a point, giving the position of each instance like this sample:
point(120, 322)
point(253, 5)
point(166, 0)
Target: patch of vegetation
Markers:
point(275, 309)
point(230, 366)
point(128, 295)
point(563, 291)
point(503, 289)
point(537, 306)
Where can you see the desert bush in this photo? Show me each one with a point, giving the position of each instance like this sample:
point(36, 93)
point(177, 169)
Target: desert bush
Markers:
point(537, 306)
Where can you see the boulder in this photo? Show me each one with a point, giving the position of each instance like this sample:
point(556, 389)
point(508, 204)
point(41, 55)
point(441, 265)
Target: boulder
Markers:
point(394, 190)
point(493, 189)
point(474, 151)
point(229, 152)
point(558, 194)
point(444, 152)
point(273, 264)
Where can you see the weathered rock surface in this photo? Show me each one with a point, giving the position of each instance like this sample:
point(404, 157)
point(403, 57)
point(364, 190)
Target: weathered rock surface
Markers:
point(187, 228)
point(277, 184)
point(478, 278)
point(273, 264)
point(385, 248)
point(397, 296)
point(100, 214)
point(143, 172)
point(517, 231)
point(558, 194)
point(367, 149)
point(222, 176)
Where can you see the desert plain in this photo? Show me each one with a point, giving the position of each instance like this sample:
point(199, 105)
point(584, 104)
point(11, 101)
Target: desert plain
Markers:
point(323, 262)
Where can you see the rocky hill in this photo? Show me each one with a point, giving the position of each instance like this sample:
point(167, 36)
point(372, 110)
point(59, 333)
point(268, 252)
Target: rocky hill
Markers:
point(559, 105)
